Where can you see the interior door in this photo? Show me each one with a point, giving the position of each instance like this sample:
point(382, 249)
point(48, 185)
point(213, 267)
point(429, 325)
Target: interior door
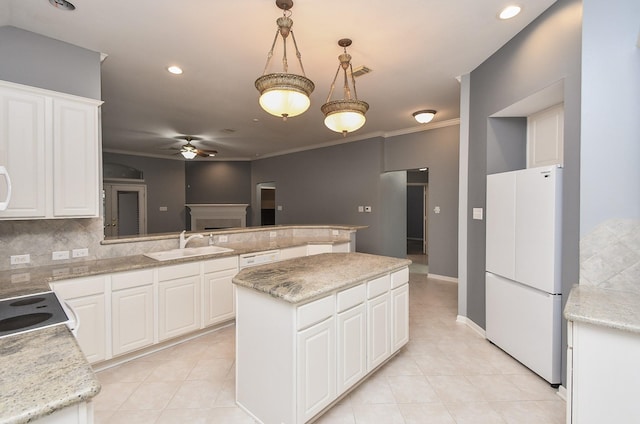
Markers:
point(425, 226)
point(125, 209)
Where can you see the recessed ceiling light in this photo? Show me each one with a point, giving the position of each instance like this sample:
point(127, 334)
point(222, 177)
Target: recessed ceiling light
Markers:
point(176, 70)
point(62, 4)
point(509, 12)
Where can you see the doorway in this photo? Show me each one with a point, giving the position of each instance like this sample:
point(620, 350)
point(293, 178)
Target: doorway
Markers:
point(125, 210)
point(266, 203)
point(417, 219)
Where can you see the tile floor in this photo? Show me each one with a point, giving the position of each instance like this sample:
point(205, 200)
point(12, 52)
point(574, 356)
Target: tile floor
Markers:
point(446, 374)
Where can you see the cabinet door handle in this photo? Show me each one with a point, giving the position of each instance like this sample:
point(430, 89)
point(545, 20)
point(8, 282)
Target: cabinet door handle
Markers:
point(5, 203)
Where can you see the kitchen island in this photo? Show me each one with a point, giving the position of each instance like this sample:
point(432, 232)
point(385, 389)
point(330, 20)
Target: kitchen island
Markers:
point(310, 329)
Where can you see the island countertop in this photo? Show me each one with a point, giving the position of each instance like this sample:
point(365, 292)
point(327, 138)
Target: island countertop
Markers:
point(303, 279)
point(608, 308)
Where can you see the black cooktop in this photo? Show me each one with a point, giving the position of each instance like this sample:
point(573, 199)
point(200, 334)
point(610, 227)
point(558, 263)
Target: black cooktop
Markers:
point(20, 314)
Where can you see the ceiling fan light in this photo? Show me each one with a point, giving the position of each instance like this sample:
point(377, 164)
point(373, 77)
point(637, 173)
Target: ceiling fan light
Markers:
point(188, 154)
point(424, 116)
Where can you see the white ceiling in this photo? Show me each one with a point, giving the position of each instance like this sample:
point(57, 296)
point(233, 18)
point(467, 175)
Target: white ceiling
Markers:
point(415, 49)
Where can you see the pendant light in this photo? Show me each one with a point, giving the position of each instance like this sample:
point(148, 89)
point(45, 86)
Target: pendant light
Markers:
point(284, 94)
point(345, 115)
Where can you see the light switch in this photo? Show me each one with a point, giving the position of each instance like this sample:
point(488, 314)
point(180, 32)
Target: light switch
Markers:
point(279, 207)
point(436, 209)
point(367, 209)
point(360, 208)
point(163, 208)
point(477, 213)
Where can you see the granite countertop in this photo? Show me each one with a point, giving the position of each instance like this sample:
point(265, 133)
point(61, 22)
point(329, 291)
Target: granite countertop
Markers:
point(44, 370)
point(604, 307)
point(40, 372)
point(302, 279)
point(27, 281)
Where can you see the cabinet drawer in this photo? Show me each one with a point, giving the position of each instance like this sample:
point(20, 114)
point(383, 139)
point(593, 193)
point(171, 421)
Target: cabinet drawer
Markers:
point(221, 264)
point(351, 297)
point(378, 286)
point(399, 278)
point(79, 287)
point(314, 312)
point(127, 280)
point(178, 271)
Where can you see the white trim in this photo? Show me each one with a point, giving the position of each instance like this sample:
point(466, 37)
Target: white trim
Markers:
point(463, 192)
point(443, 278)
point(342, 140)
point(562, 393)
point(472, 325)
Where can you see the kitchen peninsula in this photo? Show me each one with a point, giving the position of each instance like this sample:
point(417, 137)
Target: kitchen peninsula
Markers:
point(48, 371)
point(310, 329)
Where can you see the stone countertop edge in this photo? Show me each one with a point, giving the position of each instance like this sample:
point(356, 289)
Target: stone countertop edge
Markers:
point(604, 307)
point(27, 281)
point(41, 372)
point(303, 279)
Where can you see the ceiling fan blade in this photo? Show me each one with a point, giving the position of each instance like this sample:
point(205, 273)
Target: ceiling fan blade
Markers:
point(202, 154)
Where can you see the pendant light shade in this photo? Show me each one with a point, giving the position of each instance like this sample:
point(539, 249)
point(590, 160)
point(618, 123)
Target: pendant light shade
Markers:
point(284, 94)
point(345, 115)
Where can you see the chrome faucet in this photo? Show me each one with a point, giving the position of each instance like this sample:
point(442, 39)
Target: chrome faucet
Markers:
point(183, 241)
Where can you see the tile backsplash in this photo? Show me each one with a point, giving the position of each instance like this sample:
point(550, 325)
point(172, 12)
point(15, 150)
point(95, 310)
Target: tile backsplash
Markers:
point(40, 238)
point(610, 256)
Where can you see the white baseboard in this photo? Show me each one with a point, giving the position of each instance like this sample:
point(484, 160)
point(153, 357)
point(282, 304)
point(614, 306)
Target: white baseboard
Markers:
point(443, 278)
point(472, 325)
point(562, 393)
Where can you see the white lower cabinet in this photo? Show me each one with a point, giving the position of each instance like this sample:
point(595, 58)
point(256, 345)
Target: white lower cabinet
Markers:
point(292, 361)
point(316, 368)
point(132, 311)
point(351, 347)
point(86, 296)
point(178, 300)
point(603, 376)
point(218, 297)
point(79, 413)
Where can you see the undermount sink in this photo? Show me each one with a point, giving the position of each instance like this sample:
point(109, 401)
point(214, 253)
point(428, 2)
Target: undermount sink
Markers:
point(187, 252)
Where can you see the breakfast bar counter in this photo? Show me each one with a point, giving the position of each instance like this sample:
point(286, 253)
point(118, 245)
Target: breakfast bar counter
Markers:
point(310, 329)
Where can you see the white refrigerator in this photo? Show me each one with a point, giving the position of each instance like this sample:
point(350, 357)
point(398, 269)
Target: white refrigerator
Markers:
point(523, 264)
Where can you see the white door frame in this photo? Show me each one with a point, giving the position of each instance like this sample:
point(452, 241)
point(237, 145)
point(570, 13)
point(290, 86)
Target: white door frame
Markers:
point(111, 207)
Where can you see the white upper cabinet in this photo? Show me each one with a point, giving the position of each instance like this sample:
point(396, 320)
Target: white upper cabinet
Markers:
point(50, 145)
point(545, 137)
point(23, 150)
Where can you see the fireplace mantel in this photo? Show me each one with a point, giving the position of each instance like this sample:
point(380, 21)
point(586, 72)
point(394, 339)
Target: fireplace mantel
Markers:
point(213, 216)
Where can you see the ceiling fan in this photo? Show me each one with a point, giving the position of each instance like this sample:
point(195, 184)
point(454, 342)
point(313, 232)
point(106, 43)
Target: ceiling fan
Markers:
point(189, 151)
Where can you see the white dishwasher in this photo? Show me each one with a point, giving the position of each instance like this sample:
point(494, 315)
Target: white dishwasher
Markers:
point(258, 258)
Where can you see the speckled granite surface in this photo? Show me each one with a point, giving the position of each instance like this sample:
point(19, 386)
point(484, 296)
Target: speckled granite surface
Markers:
point(45, 370)
point(608, 308)
point(40, 372)
point(303, 279)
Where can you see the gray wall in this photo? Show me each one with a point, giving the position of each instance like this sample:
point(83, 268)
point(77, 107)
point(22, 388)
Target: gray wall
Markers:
point(610, 151)
point(35, 60)
point(545, 52)
point(437, 150)
point(326, 186)
point(219, 182)
point(165, 180)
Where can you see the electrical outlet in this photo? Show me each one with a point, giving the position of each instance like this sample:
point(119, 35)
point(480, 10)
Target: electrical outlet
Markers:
point(272, 234)
point(80, 253)
point(20, 259)
point(223, 239)
point(60, 255)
